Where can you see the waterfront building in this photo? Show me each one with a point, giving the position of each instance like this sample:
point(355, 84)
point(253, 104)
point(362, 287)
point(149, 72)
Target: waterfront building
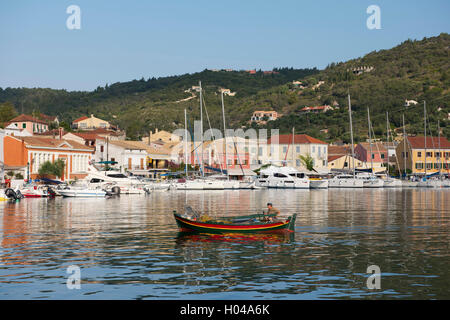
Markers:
point(282, 148)
point(32, 152)
point(377, 158)
point(415, 152)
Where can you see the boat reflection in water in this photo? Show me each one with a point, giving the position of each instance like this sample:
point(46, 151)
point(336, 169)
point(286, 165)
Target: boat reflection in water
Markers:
point(193, 237)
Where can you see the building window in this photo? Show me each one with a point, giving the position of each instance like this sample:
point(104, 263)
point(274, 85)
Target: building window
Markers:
point(313, 149)
point(429, 166)
point(284, 149)
point(429, 154)
point(419, 154)
point(101, 148)
point(260, 151)
point(382, 156)
point(373, 156)
point(24, 125)
point(297, 149)
point(419, 166)
point(297, 163)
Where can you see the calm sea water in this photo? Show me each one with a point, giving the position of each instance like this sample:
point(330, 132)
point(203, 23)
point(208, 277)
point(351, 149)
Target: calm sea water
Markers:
point(130, 248)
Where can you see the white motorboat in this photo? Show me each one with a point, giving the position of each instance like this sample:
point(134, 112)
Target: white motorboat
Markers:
point(282, 177)
point(318, 183)
point(82, 193)
point(345, 181)
point(199, 184)
point(97, 178)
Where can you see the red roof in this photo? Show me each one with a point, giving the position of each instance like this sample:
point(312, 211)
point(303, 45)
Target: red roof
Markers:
point(315, 108)
point(80, 119)
point(432, 142)
point(87, 135)
point(298, 139)
point(26, 118)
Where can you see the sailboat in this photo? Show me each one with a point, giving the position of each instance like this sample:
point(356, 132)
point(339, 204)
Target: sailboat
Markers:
point(347, 180)
point(370, 180)
point(425, 182)
point(390, 182)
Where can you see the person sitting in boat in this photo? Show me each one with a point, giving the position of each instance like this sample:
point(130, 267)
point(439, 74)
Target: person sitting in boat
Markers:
point(271, 210)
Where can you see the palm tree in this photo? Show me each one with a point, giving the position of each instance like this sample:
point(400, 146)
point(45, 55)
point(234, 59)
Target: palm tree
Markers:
point(308, 162)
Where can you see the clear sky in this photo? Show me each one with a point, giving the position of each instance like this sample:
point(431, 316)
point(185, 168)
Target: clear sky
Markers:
point(125, 40)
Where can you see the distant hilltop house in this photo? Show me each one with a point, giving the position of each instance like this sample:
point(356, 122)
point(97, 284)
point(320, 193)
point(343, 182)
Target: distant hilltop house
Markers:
point(318, 109)
point(360, 70)
point(298, 84)
point(410, 102)
point(90, 123)
point(264, 116)
point(227, 92)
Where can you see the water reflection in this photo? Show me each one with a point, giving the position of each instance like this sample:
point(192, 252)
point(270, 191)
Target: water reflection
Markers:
point(129, 247)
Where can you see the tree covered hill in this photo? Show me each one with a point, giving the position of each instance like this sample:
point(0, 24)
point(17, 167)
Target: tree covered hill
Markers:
point(141, 105)
point(381, 81)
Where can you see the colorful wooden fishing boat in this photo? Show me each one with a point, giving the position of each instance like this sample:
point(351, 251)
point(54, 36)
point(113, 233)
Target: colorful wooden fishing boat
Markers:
point(192, 221)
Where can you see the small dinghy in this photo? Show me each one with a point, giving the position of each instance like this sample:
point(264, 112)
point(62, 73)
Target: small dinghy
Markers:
point(192, 220)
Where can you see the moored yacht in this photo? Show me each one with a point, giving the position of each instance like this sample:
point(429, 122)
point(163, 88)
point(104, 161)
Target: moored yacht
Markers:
point(370, 181)
point(282, 177)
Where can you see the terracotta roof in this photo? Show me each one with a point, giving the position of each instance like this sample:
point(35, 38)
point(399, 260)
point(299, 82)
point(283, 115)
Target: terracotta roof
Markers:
point(50, 133)
point(375, 146)
point(339, 150)
point(332, 158)
point(53, 143)
point(139, 145)
point(26, 118)
point(86, 135)
point(80, 119)
point(432, 142)
point(298, 139)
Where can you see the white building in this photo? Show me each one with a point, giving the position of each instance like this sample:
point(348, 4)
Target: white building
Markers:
point(285, 149)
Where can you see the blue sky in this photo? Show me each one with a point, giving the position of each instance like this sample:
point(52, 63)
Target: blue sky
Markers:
point(125, 40)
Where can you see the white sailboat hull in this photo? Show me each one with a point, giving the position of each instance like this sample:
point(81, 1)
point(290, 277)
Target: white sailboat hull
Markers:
point(345, 183)
point(392, 183)
point(83, 193)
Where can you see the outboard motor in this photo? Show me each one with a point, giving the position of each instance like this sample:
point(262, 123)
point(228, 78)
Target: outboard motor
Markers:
point(51, 193)
point(11, 194)
point(19, 194)
point(115, 190)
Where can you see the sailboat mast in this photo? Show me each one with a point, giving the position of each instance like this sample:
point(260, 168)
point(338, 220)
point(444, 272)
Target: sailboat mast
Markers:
point(185, 144)
point(439, 150)
point(201, 128)
point(351, 134)
point(404, 145)
point(425, 126)
point(370, 140)
point(293, 147)
point(387, 141)
point(225, 136)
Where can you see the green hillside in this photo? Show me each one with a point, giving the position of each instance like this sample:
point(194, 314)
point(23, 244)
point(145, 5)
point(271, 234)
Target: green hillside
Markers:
point(414, 70)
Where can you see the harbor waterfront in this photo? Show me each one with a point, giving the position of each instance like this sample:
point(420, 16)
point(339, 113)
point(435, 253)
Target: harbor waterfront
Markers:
point(129, 247)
